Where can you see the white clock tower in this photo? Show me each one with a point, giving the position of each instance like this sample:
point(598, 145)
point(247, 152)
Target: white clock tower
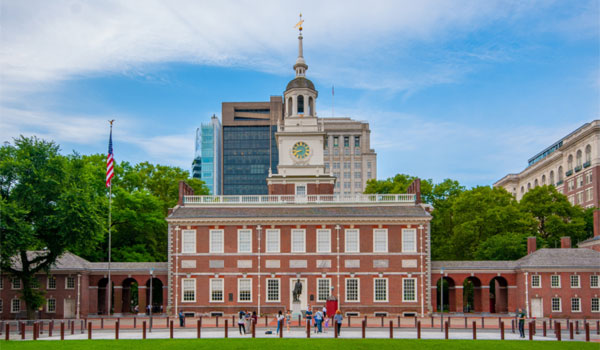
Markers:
point(300, 139)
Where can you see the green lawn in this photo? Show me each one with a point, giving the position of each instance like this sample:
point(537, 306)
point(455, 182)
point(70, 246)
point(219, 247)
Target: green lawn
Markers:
point(293, 344)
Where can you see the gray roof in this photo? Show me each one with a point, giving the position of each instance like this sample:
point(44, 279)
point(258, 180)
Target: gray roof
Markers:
point(300, 82)
point(475, 265)
point(381, 211)
point(595, 238)
point(67, 261)
point(130, 266)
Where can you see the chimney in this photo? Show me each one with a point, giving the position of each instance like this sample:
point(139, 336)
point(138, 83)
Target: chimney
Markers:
point(596, 223)
point(531, 245)
point(565, 242)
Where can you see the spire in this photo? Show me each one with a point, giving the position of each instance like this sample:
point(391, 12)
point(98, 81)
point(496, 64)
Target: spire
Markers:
point(300, 67)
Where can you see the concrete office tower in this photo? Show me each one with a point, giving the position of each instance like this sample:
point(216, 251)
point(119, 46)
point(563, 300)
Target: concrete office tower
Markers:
point(571, 164)
point(348, 154)
point(207, 158)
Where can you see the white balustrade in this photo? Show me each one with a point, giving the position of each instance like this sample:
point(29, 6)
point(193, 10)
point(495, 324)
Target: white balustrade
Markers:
point(407, 198)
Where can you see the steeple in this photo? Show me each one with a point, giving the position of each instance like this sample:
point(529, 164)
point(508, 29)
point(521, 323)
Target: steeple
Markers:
point(300, 67)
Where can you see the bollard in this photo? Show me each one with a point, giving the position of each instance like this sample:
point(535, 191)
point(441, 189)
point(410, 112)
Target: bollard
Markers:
point(171, 329)
point(72, 327)
point(167, 324)
point(530, 330)
point(587, 332)
point(335, 333)
point(41, 330)
point(364, 325)
point(418, 329)
point(558, 331)
point(253, 325)
point(598, 327)
point(544, 328)
point(308, 329)
point(266, 321)
point(144, 330)
point(22, 330)
point(299, 320)
point(90, 330)
point(280, 328)
point(381, 321)
point(226, 329)
point(431, 321)
point(482, 323)
point(82, 326)
point(534, 327)
point(117, 324)
point(474, 331)
point(512, 325)
point(232, 320)
point(465, 322)
point(198, 328)
point(134, 322)
point(35, 330)
point(449, 322)
point(446, 329)
point(102, 323)
point(50, 328)
point(7, 333)
point(391, 329)
point(499, 321)
point(62, 330)
point(501, 330)
point(349, 317)
point(571, 330)
point(577, 327)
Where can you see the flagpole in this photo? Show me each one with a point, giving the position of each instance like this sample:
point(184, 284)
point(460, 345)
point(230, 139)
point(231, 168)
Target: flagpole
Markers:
point(109, 285)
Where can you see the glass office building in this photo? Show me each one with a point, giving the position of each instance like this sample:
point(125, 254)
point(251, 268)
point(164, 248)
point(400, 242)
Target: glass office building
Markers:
point(207, 160)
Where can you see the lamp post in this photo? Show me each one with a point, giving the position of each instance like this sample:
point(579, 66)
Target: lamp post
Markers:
point(259, 229)
point(337, 228)
point(442, 300)
point(151, 278)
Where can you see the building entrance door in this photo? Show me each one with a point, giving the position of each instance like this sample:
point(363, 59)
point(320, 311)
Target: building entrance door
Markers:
point(536, 307)
point(69, 308)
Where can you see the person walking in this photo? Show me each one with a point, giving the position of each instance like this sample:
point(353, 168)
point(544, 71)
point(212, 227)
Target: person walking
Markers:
point(521, 317)
point(337, 321)
point(288, 319)
point(319, 322)
point(280, 319)
point(241, 323)
point(308, 315)
point(181, 319)
point(248, 318)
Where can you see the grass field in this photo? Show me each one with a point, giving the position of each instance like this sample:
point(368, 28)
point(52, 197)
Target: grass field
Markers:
point(294, 344)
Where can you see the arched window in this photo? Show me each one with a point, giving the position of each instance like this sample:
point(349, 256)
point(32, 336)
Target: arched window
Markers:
point(300, 104)
point(560, 173)
point(290, 106)
point(522, 189)
point(588, 154)
point(570, 162)
point(579, 161)
point(311, 106)
point(552, 177)
point(528, 186)
point(543, 180)
point(535, 183)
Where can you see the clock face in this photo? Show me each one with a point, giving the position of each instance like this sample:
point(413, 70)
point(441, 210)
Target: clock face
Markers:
point(301, 150)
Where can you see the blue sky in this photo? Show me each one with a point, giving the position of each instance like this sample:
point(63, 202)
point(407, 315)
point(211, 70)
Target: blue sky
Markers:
point(467, 90)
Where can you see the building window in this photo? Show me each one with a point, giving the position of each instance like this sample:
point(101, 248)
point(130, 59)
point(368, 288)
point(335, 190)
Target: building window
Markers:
point(352, 241)
point(323, 241)
point(589, 194)
point(580, 197)
point(357, 151)
point(356, 141)
point(588, 177)
point(336, 152)
point(380, 287)
point(369, 175)
point(272, 241)
point(580, 181)
point(273, 289)
point(352, 289)
point(15, 283)
point(301, 190)
point(357, 185)
point(15, 306)
point(357, 175)
point(51, 282)
point(595, 305)
point(70, 282)
point(336, 165)
point(380, 240)
point(357, 165)
point(298, 241)
point(51, 305)
point(216, 290)
point(188, 241)
point(409, 289)
point(346, 141)
point(216, 241)
point(594, 281)
point(536, 281)
point(347, 174)
point(335, 141)
point(346, 165)
point(326, 167)
point(245, 290)
point(575, 304)
point(245, 241)
point(571, 185)
point(574, 281)
point(556, 307)
point(189, 289)
point(409, 240)
point(555, 281)
point(35, 284)
point(323, 289)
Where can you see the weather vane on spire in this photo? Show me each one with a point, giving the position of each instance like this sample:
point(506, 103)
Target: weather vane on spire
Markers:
point(299, 24)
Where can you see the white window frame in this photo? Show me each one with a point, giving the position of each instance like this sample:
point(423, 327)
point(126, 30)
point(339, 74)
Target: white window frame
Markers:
point(278, 290)
point(188, 241)
point(578, 281)
point(578, 303)
point(48, 305)
point(592, 278)
point(303, 186)
point(357, 248)
point(270, 233)
point(415, 290)
point(552, 282)
point(552, 304)
point(319, 299)
point(380, 231)
point(298, 231)
point(185, 288)
point(210, 291)
point(12, 305)
point(406, 231)
point(320, 233)
point(357, 289)
point(240, 280)
point(387, 290)
point(67, 282)
point(15, 281)
point(48, 279)
point(244, 231)
point(597, 304)
point(211, 247)
point(539, 281)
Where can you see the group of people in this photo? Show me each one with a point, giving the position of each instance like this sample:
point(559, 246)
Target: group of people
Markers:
point(320, 320)
point(245, 321)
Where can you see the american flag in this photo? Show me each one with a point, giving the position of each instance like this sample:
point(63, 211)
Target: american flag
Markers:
point(109, 161)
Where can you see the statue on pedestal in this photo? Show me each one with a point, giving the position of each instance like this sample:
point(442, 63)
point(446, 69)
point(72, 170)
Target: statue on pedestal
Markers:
point(297, 291)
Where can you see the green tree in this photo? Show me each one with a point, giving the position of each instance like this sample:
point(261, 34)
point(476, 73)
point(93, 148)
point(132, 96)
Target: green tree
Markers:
point(48, 207)
point(503, 246)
